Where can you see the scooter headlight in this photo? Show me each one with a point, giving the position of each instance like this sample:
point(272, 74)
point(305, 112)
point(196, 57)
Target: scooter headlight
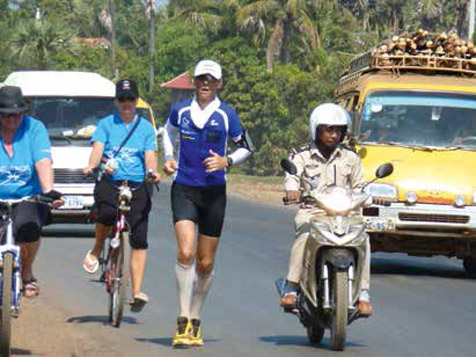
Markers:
point(337, 201)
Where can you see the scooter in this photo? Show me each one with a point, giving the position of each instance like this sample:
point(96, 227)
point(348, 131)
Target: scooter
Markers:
point(333, 261)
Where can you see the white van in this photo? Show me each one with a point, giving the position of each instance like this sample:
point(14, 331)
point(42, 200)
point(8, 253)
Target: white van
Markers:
point(70, 105)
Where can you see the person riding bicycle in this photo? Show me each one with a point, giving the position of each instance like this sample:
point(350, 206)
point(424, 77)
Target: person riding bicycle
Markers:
point(127, 143)
point(25, 170)
point(199, 189)
point(325, 162)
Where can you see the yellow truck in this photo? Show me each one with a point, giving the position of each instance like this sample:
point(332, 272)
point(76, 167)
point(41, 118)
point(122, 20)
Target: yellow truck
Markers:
point(419, 114)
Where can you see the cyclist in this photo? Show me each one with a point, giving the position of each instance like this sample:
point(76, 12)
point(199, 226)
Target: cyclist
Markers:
point(199, 189)
point(25, 170)
point(127, 143)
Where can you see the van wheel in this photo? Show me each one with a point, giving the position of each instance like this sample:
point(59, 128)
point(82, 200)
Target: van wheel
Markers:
point(469, 265)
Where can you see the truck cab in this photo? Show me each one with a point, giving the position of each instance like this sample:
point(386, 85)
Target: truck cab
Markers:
point(423, 121)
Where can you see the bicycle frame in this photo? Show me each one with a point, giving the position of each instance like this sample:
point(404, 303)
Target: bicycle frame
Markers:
point(9, 246)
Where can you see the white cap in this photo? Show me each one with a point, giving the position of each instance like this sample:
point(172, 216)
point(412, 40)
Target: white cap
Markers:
point(208, 67)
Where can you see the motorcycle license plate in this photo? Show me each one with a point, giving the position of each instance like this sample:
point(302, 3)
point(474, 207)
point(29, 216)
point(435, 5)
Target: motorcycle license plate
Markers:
point(72, 202)
point(379, 224)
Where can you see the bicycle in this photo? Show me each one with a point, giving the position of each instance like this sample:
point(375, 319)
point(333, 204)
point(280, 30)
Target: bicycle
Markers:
point(115, 257)
point(10, 270)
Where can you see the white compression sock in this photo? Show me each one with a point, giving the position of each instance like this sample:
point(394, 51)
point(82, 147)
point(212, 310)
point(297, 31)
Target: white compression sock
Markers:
point(201, 286)
point(185, 275)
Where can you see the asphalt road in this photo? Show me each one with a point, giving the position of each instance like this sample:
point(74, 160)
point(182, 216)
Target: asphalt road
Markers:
point(423, 307)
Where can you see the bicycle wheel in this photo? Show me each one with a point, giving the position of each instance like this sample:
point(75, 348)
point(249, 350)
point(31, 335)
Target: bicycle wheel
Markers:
point(6, 312)
point(119, 272)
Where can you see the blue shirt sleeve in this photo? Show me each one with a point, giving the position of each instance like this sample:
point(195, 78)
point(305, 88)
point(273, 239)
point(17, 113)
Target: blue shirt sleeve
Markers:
point(41, 142)
point(235, 129)
point(150, 142)
point(173, 115)
point(100, 133)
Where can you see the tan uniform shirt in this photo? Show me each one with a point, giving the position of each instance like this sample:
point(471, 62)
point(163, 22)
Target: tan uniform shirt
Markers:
point(343, 169)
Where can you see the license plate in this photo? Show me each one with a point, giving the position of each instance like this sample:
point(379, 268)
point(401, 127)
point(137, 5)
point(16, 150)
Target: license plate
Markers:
point(72, 202)
point(380, 224)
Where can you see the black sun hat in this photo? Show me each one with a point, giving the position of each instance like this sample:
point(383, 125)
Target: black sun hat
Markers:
point(126, 89)
point(12, 101)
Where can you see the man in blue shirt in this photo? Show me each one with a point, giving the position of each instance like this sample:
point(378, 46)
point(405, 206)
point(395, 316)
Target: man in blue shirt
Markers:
point(127, 143)
point(25, 170)
point(203, 125)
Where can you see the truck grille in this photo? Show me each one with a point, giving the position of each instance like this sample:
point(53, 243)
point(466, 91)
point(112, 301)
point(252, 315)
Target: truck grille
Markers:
point(71, 176)
point(439, 218)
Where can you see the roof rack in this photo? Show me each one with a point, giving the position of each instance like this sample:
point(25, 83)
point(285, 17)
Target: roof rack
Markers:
point(368, 62)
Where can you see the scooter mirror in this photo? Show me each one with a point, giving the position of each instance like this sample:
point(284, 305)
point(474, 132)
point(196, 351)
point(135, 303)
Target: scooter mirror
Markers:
point(288, 166)
point(384, 170)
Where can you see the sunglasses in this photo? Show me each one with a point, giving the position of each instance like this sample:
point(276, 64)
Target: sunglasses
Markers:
point(206, 77)
point(123, 100)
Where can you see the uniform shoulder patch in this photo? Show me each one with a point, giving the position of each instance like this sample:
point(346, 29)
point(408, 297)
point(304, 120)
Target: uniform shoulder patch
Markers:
point(294, 151)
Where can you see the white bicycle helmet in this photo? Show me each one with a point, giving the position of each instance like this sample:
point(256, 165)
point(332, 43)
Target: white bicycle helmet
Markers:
point(328, 114)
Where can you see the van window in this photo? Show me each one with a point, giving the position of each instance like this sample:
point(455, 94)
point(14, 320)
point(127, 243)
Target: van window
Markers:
point(429, 119)
point(70, 119)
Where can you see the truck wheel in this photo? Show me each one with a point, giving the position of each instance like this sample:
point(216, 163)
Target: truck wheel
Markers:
point(469, 265)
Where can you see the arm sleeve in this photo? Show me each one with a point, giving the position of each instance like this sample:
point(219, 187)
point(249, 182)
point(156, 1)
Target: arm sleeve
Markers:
point(42, 145)
point(236, 133)
point(150, 142)
point(292, 182)
point(169, 133)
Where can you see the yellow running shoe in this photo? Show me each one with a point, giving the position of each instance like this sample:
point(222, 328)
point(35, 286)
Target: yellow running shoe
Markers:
point(182, 334)
point(196, 333)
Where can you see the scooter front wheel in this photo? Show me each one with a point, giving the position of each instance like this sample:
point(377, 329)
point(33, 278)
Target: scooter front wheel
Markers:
point(315, 333)
point(340, 305)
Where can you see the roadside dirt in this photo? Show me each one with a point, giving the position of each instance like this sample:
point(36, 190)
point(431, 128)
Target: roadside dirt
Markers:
point(43, 330)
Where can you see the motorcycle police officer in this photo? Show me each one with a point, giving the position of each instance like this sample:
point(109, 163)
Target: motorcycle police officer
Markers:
point(325, 162)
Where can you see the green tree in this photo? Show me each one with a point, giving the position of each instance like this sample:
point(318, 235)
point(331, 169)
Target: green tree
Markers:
point(35, 42)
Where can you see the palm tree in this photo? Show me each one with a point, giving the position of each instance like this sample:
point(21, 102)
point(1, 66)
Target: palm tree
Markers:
point(36, 41)
point(284, 17)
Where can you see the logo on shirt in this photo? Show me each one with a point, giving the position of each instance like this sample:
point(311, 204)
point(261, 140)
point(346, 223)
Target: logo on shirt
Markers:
point(213, 123)
point(14, 175)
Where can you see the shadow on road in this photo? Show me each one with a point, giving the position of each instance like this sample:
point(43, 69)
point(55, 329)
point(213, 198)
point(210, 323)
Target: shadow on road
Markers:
point(415, 268)
point(167, 341)
point(102, 319)
point(303, 341)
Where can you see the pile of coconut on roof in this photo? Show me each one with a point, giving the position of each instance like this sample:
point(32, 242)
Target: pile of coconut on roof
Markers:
point(426, 49)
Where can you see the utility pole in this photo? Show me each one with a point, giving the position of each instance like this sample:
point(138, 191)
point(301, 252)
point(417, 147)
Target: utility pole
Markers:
point(150, 12)
point(472, 9)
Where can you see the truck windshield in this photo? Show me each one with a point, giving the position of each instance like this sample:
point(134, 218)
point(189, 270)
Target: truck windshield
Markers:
point(419, 119)
point(70, 120)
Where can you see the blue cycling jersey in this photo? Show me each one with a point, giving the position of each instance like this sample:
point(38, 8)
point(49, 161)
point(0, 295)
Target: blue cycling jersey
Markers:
point(18, 177)
point(111, 131)
point(195, 143)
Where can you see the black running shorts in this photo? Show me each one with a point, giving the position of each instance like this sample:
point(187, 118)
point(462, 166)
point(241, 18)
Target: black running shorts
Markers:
point(28, 219)
point(105, 199)
point(204, 205)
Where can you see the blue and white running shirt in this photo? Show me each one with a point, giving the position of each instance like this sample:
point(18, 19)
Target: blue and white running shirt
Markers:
point(18, 177)
point(220, 121)
point(111, 131)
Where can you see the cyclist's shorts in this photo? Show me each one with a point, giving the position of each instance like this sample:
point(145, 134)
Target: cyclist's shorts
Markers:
point(28, 218)
point(105, 199)
point(204, 205)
